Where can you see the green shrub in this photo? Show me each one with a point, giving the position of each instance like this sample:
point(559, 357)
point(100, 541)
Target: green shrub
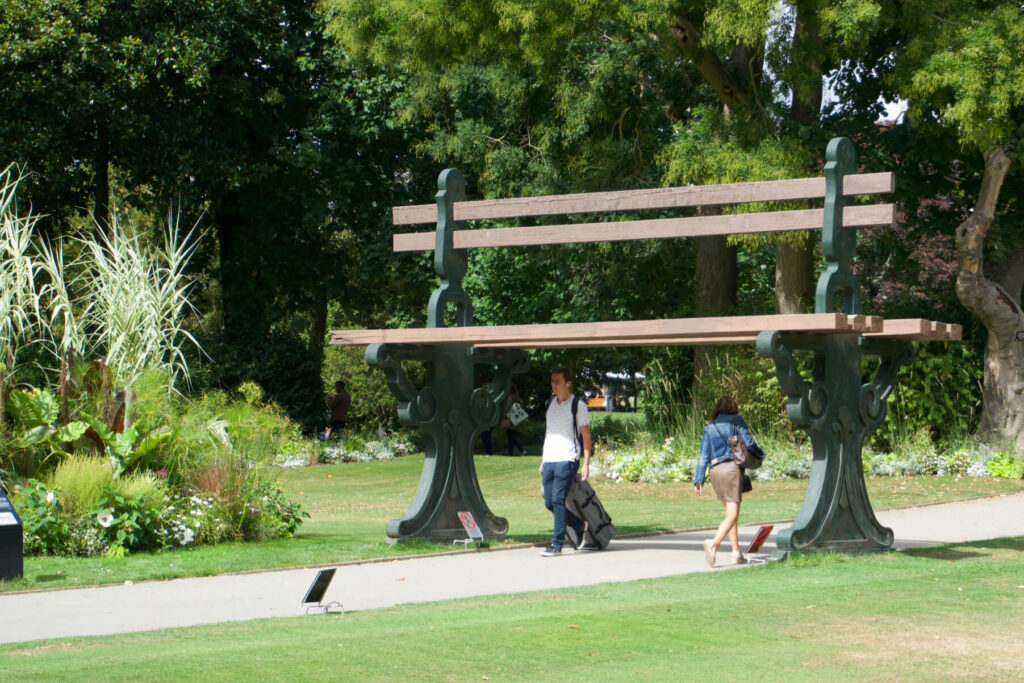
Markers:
point(45, 525)
point(373, 403)
point(143, 487)
point(938, 393)
point(739, 372)
point(215, 421)
point(84, 479)
point(130, 523)
point(357, 448)
point(276, 516)
point(665, 402)
point(671, 405)
point(85, 538)
point(192, 517)
point(1006, 465)
point(281, 364)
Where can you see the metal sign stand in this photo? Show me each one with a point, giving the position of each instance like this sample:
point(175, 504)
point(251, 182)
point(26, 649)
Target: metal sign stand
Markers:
point(475, 535)
point(315, 594)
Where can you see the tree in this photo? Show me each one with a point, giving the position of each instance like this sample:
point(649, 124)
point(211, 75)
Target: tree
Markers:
point(967, 74)
point(239, 109)
point(557, 84)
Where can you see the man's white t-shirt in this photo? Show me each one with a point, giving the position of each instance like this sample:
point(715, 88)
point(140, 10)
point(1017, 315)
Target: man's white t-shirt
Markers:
point(560, 444)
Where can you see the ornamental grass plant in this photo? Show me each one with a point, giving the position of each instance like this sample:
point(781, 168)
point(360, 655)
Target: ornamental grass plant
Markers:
point(84, 479)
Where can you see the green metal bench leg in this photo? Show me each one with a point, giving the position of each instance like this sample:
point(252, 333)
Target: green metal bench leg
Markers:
point(838, 413)
point(450, 413)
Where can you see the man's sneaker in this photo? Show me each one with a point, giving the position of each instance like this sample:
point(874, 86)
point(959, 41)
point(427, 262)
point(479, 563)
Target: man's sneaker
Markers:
point(551, 551)
point(574, 537)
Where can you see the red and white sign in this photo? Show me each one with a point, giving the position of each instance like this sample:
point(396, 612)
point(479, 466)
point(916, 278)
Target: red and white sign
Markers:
point(469, 524)
point(759, 538)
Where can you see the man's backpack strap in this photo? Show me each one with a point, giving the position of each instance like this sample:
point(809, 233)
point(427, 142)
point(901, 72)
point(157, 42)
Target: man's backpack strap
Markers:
point(575, 427)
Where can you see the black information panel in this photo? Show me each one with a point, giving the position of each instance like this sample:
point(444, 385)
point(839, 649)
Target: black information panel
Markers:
point(319, 586)
point(12, 564)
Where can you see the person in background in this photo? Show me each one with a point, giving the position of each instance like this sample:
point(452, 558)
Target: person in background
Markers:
point(726, 477)
point(339, 405)
point(512, 431)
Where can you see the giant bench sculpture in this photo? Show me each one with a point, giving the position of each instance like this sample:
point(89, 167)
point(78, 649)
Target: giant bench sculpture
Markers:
point(835, 406)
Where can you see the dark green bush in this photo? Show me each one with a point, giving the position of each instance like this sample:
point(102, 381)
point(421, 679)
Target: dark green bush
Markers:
point(938, 393)
point(283, 365)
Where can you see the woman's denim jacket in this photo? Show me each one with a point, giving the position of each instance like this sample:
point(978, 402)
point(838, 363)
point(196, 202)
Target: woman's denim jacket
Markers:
point(714, 449)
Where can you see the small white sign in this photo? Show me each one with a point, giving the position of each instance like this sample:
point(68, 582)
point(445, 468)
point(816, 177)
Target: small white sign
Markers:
point(517, 415)
point(469, 524)
point(8, 519)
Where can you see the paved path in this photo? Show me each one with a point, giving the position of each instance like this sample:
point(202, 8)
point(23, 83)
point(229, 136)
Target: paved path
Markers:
point(186, 602)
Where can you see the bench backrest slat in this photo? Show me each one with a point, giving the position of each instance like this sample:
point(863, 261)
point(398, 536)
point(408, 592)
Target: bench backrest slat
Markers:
point(658, 228)
point(656, 198)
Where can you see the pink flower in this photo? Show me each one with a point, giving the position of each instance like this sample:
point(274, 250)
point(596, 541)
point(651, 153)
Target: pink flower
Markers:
point(162, 473)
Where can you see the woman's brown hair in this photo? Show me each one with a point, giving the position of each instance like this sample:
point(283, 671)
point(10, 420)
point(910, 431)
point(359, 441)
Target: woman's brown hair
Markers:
point(726, 404)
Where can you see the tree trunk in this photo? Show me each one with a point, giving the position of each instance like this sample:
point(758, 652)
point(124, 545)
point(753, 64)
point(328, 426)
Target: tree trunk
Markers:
point(1002, 418)
point(318, 328)
point(716, 276)
point(242, 300)
point(715, 287)
point(794, 263)
point(794, 277)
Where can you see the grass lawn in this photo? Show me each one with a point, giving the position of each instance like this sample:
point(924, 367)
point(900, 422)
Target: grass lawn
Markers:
point(350, 505)
point(942, 613)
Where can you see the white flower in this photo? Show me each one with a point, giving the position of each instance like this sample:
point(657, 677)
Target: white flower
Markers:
point(51, 497)
point(105, 519)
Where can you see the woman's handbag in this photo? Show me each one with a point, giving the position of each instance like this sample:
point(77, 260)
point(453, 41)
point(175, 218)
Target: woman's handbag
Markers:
point(748, 486)
point(741, 455)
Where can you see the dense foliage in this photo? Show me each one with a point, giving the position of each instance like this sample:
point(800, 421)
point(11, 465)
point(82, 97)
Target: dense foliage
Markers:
point(287, 128)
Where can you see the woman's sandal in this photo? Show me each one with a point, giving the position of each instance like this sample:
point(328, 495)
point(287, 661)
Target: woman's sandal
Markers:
point(709, 551)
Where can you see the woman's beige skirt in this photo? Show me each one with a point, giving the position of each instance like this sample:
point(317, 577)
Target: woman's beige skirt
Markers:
point(727, 480)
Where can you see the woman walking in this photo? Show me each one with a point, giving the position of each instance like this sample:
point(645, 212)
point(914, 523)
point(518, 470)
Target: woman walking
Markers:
point(726, 477)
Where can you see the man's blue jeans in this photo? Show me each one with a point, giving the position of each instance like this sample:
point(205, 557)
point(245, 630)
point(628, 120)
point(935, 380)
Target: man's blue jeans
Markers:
point(557, 477)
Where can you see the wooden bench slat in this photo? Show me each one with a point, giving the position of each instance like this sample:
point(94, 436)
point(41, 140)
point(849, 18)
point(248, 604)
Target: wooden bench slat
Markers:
point(905, 330)
point(658, 228)
point(710, 340)
point(612, 333)
point(655, 198)
point(917, 329)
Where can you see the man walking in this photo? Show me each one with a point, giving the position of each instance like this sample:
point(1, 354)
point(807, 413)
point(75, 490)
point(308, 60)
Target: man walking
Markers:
point(566, 438)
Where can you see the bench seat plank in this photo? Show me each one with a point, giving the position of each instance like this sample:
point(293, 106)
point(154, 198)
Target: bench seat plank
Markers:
point(681, 331)
point(655, 198)
point(917, 329)
point(657, 228)
point(678, 330)
point(906, 330)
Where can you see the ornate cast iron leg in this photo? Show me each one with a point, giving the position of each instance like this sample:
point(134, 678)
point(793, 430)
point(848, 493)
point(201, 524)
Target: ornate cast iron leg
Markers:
point(450, 413)
point(838, 413)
